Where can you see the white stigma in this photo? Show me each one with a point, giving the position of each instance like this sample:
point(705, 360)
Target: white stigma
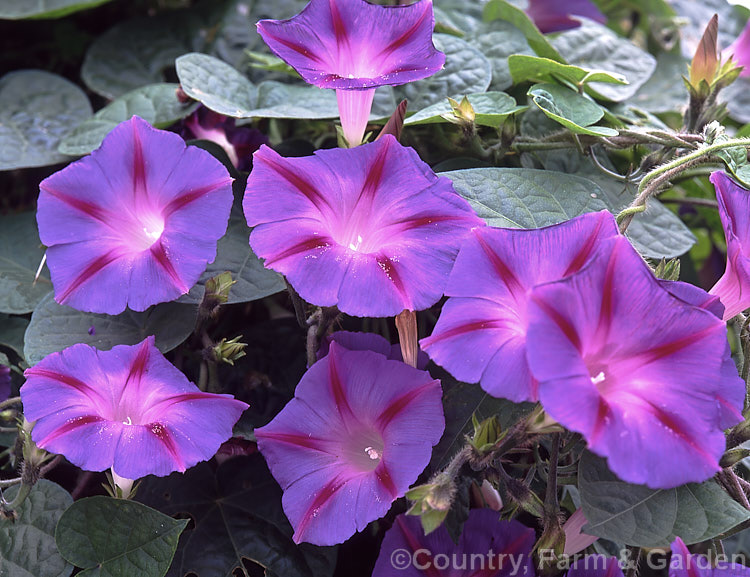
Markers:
point(128, 422)
point(598, 378)
point(372, 453)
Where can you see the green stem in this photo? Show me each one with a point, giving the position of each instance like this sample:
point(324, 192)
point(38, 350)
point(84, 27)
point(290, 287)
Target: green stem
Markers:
point(651, 183)
point(9, 482)
point(23, 491)
point(10, 402)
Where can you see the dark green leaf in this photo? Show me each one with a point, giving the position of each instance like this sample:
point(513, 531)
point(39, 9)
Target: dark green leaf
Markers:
point(54, 327)
point(569, 108)
point(254, 281)
point(737, 98)
point(12, 330)
point(596, 47)
point(36, 110)
point(524, 68)
point(157, 104)
point(139, 51)
point(525, 198)
point(498, 41)
point(502, 10)
point(117, 538)
point(643, 517)
point(20, 255)
point(18, 9)
point(466, 71)
point(238, 516)
point(279, 100)
point(664, 91)
point(216, 84)
point(491, 109)
point(27, 546)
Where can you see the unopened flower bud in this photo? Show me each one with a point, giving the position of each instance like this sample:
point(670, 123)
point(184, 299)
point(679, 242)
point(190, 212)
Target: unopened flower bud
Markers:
point(486, 496)
point(228, 351)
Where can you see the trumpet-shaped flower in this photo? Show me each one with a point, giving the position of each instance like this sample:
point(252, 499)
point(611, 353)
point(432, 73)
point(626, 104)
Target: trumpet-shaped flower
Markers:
point(685, 564)
point(556, 16)
point(358, 432)
point(647, 371)
point(733, 288)
point(487, 546)
point(371, 229)
point(481, 333)
point(354, 46)
point(239, 142)
point(128, 409)
point(120, 224)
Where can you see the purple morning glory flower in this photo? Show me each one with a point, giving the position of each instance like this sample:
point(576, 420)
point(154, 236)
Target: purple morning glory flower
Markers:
point(733, 288)
point(358, 432)
point(239, 142)
point(595, 566)
point(120, 224)
point(555, 16)
point(685, 564)
point(371, 229)
point(128, 408)
point(354, 46)
point(487, 546)
point(481, 333)
point(355, 341)
point(648, 371)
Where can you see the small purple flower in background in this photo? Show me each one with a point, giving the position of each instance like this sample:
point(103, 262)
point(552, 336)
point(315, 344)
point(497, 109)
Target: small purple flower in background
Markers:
point(481, 333)
point(120, 224)
point(575, 539)
point(355, 341)
point(371, 229)
point(128, 408)
point(685, 564)
point(354, 46)
point(595, 566)
point(733, 289)
point(239, 142)
point(647, 370)
point(4, 382)
point(739, 50)
point(555, 16)
point(358, 432)
point(487, 546)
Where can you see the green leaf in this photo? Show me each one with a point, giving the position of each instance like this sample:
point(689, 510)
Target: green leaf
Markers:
point(36, 110)
point(138, 52)
point(596, 47)
point(497, 41)
point(54, 327)
point(525, 197)
point(117, 538)
point(460, 402)
point(502, 10)
point(737, 98)
point(574, 111)
point(466, 71)
point(216, 84)
point(20, 255)
point(525, 68)
point(279, 100)
point(643, 517)
point(19, 9)
point(12, 330)
point(27, 546)
point(664, 91)
point(254, 281)
point(490, 108)
point(238, 516)
point(157, 104)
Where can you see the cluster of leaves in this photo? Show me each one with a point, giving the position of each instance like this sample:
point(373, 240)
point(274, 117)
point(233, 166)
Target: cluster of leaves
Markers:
point(532, 130)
